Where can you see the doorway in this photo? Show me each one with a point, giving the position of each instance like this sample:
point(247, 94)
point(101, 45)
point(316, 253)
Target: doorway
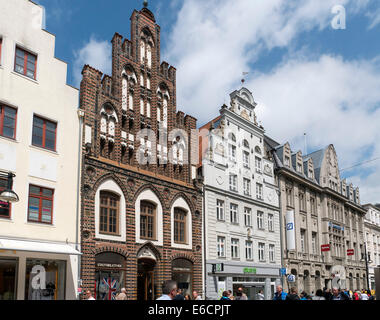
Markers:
point(145, 279)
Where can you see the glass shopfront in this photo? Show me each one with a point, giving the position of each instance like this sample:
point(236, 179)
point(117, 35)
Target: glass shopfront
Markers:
point(8, 278)
point(45, 279)
point(109, 275)
point(182, 273)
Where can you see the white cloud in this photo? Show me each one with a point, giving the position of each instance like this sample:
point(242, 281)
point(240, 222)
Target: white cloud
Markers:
point(331, 99)
point(96, 53)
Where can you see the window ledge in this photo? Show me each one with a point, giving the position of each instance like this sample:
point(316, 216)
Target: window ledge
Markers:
point(43, 149)
point(25, 77)
point(9, 139)
point(37, 223)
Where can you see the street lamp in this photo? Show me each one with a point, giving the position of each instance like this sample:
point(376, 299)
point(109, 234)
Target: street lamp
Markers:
point(8, 195)
point(366, 263)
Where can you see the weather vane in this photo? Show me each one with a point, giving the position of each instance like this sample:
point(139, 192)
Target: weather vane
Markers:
point(145, 3)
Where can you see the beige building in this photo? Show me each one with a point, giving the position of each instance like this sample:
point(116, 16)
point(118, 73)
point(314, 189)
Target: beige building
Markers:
point(39, 141)
point(321, 209)
point(372, 239)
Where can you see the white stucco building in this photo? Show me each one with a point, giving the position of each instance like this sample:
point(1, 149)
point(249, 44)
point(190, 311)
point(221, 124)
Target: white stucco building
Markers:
point(39, 139)
point(372, 239)
point(241, 208)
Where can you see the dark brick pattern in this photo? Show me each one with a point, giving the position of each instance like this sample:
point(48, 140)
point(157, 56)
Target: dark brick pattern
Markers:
point(168, 182)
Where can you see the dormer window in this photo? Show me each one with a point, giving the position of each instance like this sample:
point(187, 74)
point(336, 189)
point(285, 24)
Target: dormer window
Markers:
point(299, 167)
point(287, 161)
point(311, 174)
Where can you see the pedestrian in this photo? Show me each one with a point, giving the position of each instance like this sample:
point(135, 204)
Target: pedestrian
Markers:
point(196, 296)
point(122, 295)
point(260, 295)
point(364, 295)
point(293, 294)
point(187, 297)
point(179, 295)
point(279, 294)
point(225, 296)
point(89, 295)
point(319, 295)
point(230, 295)
point(240, 295)
point(327, 293)
point(357, 295)
point(337, 295)
point(304, 296)
point(169, 290)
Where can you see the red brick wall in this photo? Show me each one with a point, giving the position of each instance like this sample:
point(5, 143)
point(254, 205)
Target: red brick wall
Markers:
point(168, 183)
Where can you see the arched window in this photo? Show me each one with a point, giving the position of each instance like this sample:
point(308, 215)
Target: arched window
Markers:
point(180, 234)
point(142, 51)
point(232, 137)
point(148, 82)
point(130, 100)
point(109, 213)
point(245, 144)
point(149, 55)
point(147, 220)
point(124, 94)
point(258, 150)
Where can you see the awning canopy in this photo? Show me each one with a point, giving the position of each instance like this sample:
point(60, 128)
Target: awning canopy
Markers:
point(37, 246)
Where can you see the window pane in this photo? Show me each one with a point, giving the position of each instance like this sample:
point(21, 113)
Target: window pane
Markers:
point(33, 212)
point(34, 190)
point(20, 53)
point(46, 211)
point(19, 69)
point(38, 122)
point(47, 192)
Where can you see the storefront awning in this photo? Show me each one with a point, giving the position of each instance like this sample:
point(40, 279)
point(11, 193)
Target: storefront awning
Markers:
point(37, 246)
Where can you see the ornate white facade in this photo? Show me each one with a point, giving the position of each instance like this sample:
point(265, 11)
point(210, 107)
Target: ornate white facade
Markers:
point(241, 203)
point(372, 239)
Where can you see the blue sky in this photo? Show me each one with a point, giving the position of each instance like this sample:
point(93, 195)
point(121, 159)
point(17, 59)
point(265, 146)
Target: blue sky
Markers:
point(305, 75)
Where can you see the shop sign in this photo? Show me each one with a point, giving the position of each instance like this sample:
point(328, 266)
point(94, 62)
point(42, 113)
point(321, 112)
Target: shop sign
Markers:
point(350, 252)
point(325, 247)
point(282, 271)
point(108, 265)
point(249, 270)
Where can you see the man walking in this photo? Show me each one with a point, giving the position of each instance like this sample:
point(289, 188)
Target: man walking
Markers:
point(337, 295)
point(169, 290)
point(240, 295)
point(89, 295)
point(196, 296)
point(279, 294)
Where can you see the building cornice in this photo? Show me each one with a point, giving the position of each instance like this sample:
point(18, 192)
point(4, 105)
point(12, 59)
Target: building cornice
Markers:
point(240, 197)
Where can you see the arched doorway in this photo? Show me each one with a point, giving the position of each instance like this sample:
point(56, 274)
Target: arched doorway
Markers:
point(317, 280)
point(109, 275)
point(182, 273)
point(146, 267)
point(306, 281)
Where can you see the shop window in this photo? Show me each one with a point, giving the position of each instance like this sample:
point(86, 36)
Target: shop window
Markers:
point(44, 133)
point(109, 213)
point(109, 275)
point(5, 207)
point(25, 63)
point(8, 277)
point(45, 279)
point(147, 220)
point(40, 207)
point(182, 273)
point(8, 117)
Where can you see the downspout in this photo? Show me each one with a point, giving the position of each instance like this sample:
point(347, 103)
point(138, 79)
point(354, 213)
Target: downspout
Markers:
point(77, 244)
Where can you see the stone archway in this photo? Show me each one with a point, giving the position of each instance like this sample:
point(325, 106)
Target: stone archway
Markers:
point(147, 265)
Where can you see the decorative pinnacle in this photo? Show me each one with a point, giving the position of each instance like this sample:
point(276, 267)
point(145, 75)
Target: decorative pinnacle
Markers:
point(145, 3)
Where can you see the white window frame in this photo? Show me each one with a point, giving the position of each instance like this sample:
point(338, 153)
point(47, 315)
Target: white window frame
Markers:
point(270, 222)
point(234, 212)
point(248, 250)
point(260, 220)
point(233, 182)
point(258, 164)
point(221, 246)
point(248, 217)
point(271, 252)
point(220, 210)
point(246, 187)
point(235, 244)
point(261, 251)
point(259, 191)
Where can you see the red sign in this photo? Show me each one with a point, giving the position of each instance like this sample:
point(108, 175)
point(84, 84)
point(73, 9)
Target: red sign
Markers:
point(350, 252)
point(325, 247)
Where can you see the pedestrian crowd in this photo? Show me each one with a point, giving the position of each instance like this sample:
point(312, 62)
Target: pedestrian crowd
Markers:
point(172, 292)
point(325, 294)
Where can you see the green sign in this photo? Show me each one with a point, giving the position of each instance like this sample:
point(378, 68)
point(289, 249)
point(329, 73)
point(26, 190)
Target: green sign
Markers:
point(249, 270)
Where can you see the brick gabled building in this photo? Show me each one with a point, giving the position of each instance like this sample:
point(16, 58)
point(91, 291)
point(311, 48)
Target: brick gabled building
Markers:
point(141, 210)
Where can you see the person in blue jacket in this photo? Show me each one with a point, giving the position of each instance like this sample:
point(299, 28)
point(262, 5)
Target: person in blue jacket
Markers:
point(279, 294)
